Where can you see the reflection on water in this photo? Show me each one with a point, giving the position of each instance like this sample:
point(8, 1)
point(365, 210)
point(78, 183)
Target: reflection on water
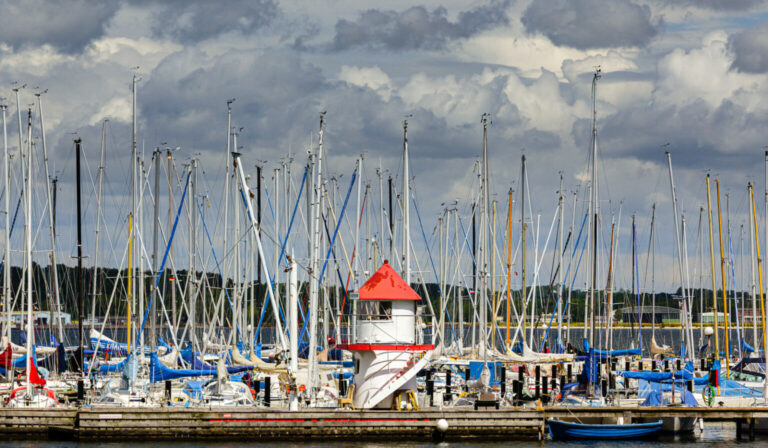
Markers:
point(714, 435)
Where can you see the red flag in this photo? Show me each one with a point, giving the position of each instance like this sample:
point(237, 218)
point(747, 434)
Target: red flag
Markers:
point(34, 377)
point(6, 357)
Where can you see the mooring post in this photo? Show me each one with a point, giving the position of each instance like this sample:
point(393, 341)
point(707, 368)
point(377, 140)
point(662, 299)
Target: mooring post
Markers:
point(738, 429)
point(447, 395)
point(430, 389)
point(538, 381)
point(545, 390)
point(267, 389)
point(570, 372)
point(503, 381)
point(80, 391)
point(168, 391)
point(467, 377)
point(751, 429)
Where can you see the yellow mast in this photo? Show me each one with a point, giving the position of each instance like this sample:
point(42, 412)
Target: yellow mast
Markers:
point(712, 265)
point(722, 274)
point(130, 275)
point(759, 266)
point(509, 263)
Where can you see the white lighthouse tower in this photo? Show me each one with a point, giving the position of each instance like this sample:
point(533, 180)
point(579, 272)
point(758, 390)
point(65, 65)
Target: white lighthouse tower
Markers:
point(387, 357)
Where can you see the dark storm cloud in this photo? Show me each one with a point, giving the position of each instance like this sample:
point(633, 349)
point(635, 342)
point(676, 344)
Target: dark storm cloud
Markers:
point(194, 21)
point(701, 137)
point(68, 25)
point(416, 27)
point(591, 23)
point(750, 49)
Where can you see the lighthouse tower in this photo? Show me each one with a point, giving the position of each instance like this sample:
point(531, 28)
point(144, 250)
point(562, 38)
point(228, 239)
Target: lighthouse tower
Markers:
point(387, 357)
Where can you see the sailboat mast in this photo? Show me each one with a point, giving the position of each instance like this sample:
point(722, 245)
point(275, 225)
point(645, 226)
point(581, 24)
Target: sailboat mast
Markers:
point(759, 280)
point(80, 276)
point(51, 220)
point(28, 247)
point(483, 255)
point(155, 251)
point(7, 248)
point(689, 350)
point(132, 217)
point(509, 264)
point(95, 281)
point(406, 209)
point(594, 208)
point(712, 269)
point(523, 291)
point(560, 249)
point(722, 276)
point(314, 256)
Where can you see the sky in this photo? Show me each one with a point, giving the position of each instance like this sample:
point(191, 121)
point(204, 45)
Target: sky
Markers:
point(683, 76)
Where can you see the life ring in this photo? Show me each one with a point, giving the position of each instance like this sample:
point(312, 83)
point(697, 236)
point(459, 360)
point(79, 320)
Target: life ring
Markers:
point(708, 394)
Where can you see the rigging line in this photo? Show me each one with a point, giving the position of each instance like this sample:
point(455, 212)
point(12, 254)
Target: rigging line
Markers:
point(159, 274)
point(218, 268)
point(434, 270)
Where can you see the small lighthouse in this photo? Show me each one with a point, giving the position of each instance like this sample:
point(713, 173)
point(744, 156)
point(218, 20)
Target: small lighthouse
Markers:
point(387, 357)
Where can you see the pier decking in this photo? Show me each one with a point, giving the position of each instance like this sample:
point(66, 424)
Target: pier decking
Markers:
point(261, 423)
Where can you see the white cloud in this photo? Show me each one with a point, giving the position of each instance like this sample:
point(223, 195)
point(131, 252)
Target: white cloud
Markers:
point(372, 77)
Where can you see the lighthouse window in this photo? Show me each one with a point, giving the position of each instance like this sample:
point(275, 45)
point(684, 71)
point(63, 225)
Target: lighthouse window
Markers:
point(385, 310)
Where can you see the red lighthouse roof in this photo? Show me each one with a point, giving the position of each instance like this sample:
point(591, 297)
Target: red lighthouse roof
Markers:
point(386, 284)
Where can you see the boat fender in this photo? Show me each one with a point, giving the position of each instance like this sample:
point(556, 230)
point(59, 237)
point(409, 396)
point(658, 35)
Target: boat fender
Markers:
point(708, 395)
point(442, 425)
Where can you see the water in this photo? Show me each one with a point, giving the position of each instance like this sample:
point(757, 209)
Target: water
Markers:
point(714, 435)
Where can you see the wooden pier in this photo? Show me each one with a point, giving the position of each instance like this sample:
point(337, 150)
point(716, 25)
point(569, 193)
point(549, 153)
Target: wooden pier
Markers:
point(265, 424)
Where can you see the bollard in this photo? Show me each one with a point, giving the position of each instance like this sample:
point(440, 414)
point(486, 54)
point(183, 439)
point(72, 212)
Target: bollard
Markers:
point(267, 390)
point(447, 395)
point(80, 391)
point(431, 392)
point(467, 378)
point(517, 391)
point(168, 391)
point(554, 386)
point(538, 382)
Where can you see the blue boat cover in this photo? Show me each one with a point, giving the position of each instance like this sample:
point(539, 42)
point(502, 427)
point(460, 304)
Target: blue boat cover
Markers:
point(160, 372)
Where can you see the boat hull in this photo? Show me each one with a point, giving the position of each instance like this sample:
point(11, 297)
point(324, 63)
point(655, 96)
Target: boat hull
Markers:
point(560, 430)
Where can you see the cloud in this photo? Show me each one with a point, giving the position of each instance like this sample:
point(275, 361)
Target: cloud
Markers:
point(68, 25)
point(719, 5)
point(588, 24)
point(194, 21)
point(750, 49)
point(416, 27)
